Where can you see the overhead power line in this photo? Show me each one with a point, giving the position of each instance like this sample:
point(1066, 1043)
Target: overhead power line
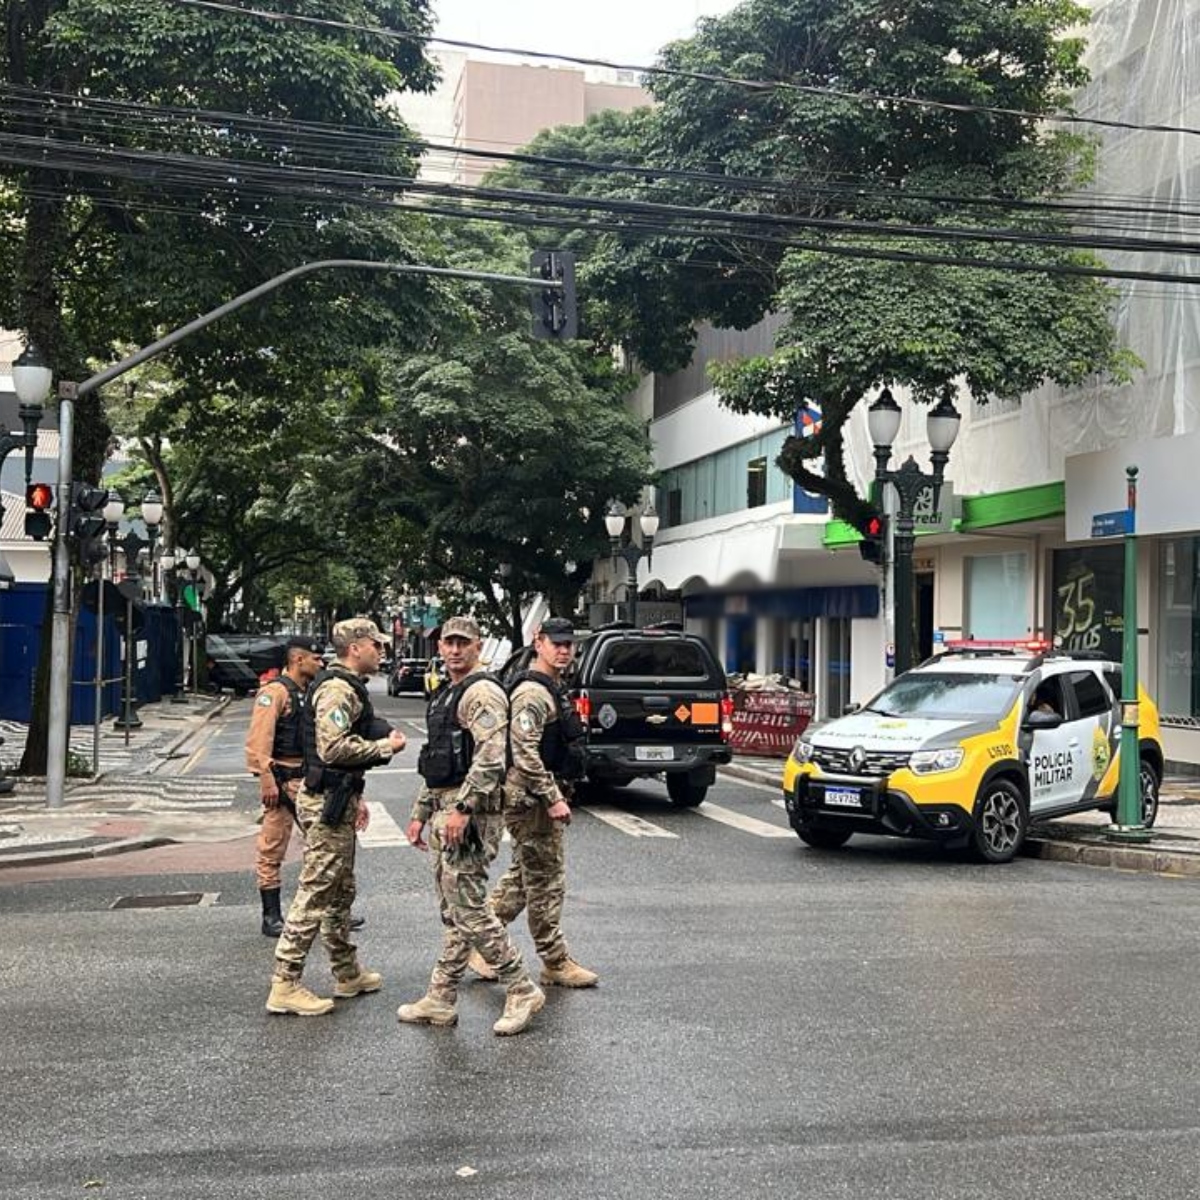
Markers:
point(701, 76)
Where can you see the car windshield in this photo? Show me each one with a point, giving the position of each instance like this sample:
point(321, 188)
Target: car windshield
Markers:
point(952, 696)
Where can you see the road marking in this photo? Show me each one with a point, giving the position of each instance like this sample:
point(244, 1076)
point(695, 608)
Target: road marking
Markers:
point(381, 830)
point(415, 724)
point(760, 787)
point(726, 816)
point(200, 750)
point(626, 822)
point(377, 771)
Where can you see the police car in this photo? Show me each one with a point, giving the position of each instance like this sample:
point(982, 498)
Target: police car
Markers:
point(970, 747)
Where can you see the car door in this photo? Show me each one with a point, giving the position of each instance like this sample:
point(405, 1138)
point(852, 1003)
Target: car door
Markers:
point(1098, 712)
point(1056, 755)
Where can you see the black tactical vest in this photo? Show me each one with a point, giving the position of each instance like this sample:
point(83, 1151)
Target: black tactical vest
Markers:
point(446, 756)
point(561, 746)
point(317, 775)
point(289, 737)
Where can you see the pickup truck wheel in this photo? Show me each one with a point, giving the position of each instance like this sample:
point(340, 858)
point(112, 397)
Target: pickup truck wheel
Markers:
point(684, 792)
point(1001, 819)
point(823, 839)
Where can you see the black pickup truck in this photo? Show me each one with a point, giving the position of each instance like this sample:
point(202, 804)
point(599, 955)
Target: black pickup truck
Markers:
point(655, 703)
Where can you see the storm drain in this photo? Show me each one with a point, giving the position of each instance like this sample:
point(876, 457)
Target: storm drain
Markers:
point(168, 900)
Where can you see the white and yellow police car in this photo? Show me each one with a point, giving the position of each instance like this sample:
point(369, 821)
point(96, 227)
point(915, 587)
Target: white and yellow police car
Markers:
point(970, 747)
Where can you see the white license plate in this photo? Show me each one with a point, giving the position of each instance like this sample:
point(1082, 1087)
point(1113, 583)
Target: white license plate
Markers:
point(654, 753)
point(843, 798)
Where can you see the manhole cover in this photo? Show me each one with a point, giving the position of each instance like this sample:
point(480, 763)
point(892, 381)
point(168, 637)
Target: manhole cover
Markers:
point(167, 900)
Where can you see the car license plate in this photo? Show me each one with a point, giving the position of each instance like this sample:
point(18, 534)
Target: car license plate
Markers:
point(654, 753)
point(843, 798)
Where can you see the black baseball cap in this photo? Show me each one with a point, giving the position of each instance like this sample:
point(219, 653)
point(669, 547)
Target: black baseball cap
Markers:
point(559, 630)
point(304, 643)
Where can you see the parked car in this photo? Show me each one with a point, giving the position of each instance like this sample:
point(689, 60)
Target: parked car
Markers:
point(235, 661)
point(408, 676)
point(654, 702)
point(970, 747)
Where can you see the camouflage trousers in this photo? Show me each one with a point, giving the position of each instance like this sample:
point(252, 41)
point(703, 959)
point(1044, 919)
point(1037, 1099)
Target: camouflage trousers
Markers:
point(536, 882)
point(470, 924)
point(324, 894)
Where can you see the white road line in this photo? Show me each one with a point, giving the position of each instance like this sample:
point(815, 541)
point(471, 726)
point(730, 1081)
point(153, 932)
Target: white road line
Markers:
point(415, 724)
point(626, 822)
point(382, 830)
point(726, 816)
point(392, 771)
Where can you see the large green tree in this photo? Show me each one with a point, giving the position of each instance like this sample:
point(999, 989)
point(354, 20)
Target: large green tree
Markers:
point(848, 156)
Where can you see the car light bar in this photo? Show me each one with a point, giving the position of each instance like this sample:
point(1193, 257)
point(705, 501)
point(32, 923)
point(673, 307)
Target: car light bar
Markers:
point(1030, 645)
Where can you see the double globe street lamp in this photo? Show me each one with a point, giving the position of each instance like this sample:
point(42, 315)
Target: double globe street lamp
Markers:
point(631, 551)
point(941, 427)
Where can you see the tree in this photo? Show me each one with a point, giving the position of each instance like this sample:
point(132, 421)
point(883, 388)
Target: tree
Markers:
point(121, 254)
point(884, 175)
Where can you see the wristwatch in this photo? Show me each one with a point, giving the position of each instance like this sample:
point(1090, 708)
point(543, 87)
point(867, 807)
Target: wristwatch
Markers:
point(463, 807)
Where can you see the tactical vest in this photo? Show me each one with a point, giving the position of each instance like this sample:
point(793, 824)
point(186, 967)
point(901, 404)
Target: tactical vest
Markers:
point(561, 745)
point(317, 775)
point(449, 749)
point(289, 737)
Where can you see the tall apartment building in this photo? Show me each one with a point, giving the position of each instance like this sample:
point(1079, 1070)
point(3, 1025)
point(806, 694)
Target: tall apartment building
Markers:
point(489, 105)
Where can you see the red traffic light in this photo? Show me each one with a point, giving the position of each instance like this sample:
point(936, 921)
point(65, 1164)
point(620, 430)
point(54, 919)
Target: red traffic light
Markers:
point(874, 527)
point(39, 496)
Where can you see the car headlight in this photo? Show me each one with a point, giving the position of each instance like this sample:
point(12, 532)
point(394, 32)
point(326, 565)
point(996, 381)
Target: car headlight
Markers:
point(929, 762)
point(802, 751)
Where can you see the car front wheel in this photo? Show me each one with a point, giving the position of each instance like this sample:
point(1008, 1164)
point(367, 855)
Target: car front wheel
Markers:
point(1001, 819)
point(823, 839)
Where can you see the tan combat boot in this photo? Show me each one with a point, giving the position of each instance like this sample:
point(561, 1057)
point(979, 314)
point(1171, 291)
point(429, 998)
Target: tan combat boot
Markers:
point(569, 973)
point(522, 1002)
point(481, 967)
point(357, 985)
point(429, 1010)
point(291, 996)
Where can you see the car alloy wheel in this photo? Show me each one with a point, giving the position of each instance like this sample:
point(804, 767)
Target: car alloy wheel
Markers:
point(1000, 821)
point(1148, 784)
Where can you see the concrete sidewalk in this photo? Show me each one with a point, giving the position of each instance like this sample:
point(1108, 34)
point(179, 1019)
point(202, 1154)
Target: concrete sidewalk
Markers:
point(1174, 848)
point(129, 805)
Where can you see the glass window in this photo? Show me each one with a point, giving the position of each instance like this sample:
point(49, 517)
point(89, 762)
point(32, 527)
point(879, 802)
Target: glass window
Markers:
point(837, 665)
point(656, 660)
point(997, 596)
point(1090, 694)
point(950, 695)
point(756, 483)
point(674, 507)
point(1178, 627)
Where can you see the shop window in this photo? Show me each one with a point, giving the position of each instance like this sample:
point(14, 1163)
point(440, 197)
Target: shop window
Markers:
point(997, 600)
point(756, 482)
point(1178, 628)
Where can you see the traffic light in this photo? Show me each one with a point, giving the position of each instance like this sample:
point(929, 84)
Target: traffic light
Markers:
point(554, 311)
point(86, 521)
point(39, 500)
point(873, 546)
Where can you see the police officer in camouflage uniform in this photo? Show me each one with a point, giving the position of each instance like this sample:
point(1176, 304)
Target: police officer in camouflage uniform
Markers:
point(342, 739)
point(461, 799)
point(545, 737)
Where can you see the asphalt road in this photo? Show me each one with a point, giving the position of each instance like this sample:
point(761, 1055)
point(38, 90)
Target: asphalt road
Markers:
point(879, 1022)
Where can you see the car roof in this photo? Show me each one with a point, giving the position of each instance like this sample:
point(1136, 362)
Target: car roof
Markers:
point(968, 663)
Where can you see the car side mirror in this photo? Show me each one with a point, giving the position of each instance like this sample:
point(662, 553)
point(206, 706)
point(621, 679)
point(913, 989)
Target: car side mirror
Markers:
point(1043, 720)
point(850, 708)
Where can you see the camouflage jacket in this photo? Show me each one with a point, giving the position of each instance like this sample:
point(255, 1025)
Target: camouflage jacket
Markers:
point(532, 709)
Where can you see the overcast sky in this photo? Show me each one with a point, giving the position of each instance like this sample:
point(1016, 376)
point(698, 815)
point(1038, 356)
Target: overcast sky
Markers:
point(627, 31)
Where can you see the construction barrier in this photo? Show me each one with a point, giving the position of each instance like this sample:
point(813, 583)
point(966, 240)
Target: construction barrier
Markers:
point(768, 722)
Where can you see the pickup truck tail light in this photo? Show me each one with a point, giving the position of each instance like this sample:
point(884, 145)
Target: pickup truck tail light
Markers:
point(726, 716)
point(583, 706)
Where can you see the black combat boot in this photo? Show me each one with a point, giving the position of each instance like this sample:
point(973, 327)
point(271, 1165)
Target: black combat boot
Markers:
point(272, 922)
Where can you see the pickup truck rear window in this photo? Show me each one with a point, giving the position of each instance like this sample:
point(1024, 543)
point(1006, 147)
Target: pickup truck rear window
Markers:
point(656, 660)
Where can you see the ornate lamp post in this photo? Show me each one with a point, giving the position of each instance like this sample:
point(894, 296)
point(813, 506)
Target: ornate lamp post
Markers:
point(883, 423)
point(630, 551)
point(113, 511)
point(152, 515)
point(192, 559)
point(132, 545)
point(173, 561)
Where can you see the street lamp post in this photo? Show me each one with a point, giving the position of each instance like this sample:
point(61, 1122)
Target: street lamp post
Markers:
point(132, 546)
point(173, 561)
point(1130, 823)
point(114, 509)
point(630, 551)
point(32, 379)
point(193, 566)
point(152, 515)
point(883, 423)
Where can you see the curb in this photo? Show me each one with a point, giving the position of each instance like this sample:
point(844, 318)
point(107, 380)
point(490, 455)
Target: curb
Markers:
point(66, 854)
point(1124, 858)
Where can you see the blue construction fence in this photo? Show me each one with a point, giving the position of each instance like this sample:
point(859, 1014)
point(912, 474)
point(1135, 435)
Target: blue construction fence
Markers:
point(156, 645)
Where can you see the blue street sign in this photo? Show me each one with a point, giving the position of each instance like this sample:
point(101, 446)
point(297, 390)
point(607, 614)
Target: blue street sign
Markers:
point(1110, 524)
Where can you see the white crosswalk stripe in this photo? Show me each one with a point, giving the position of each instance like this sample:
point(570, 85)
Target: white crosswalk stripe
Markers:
point(626, 822)
point(382, 829)
point(737, 820)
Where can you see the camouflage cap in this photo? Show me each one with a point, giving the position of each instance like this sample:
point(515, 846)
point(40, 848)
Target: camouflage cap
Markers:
point(464, 627)
point(356, 630)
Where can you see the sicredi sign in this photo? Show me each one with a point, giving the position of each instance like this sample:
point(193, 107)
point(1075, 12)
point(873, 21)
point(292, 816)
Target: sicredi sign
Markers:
point(927, 519)
point(1167, 498)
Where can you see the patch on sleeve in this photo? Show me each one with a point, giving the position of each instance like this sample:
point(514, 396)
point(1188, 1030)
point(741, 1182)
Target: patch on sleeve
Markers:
point(486, 719)
point(338, 718)
point(525, 721)
point(264, 700)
